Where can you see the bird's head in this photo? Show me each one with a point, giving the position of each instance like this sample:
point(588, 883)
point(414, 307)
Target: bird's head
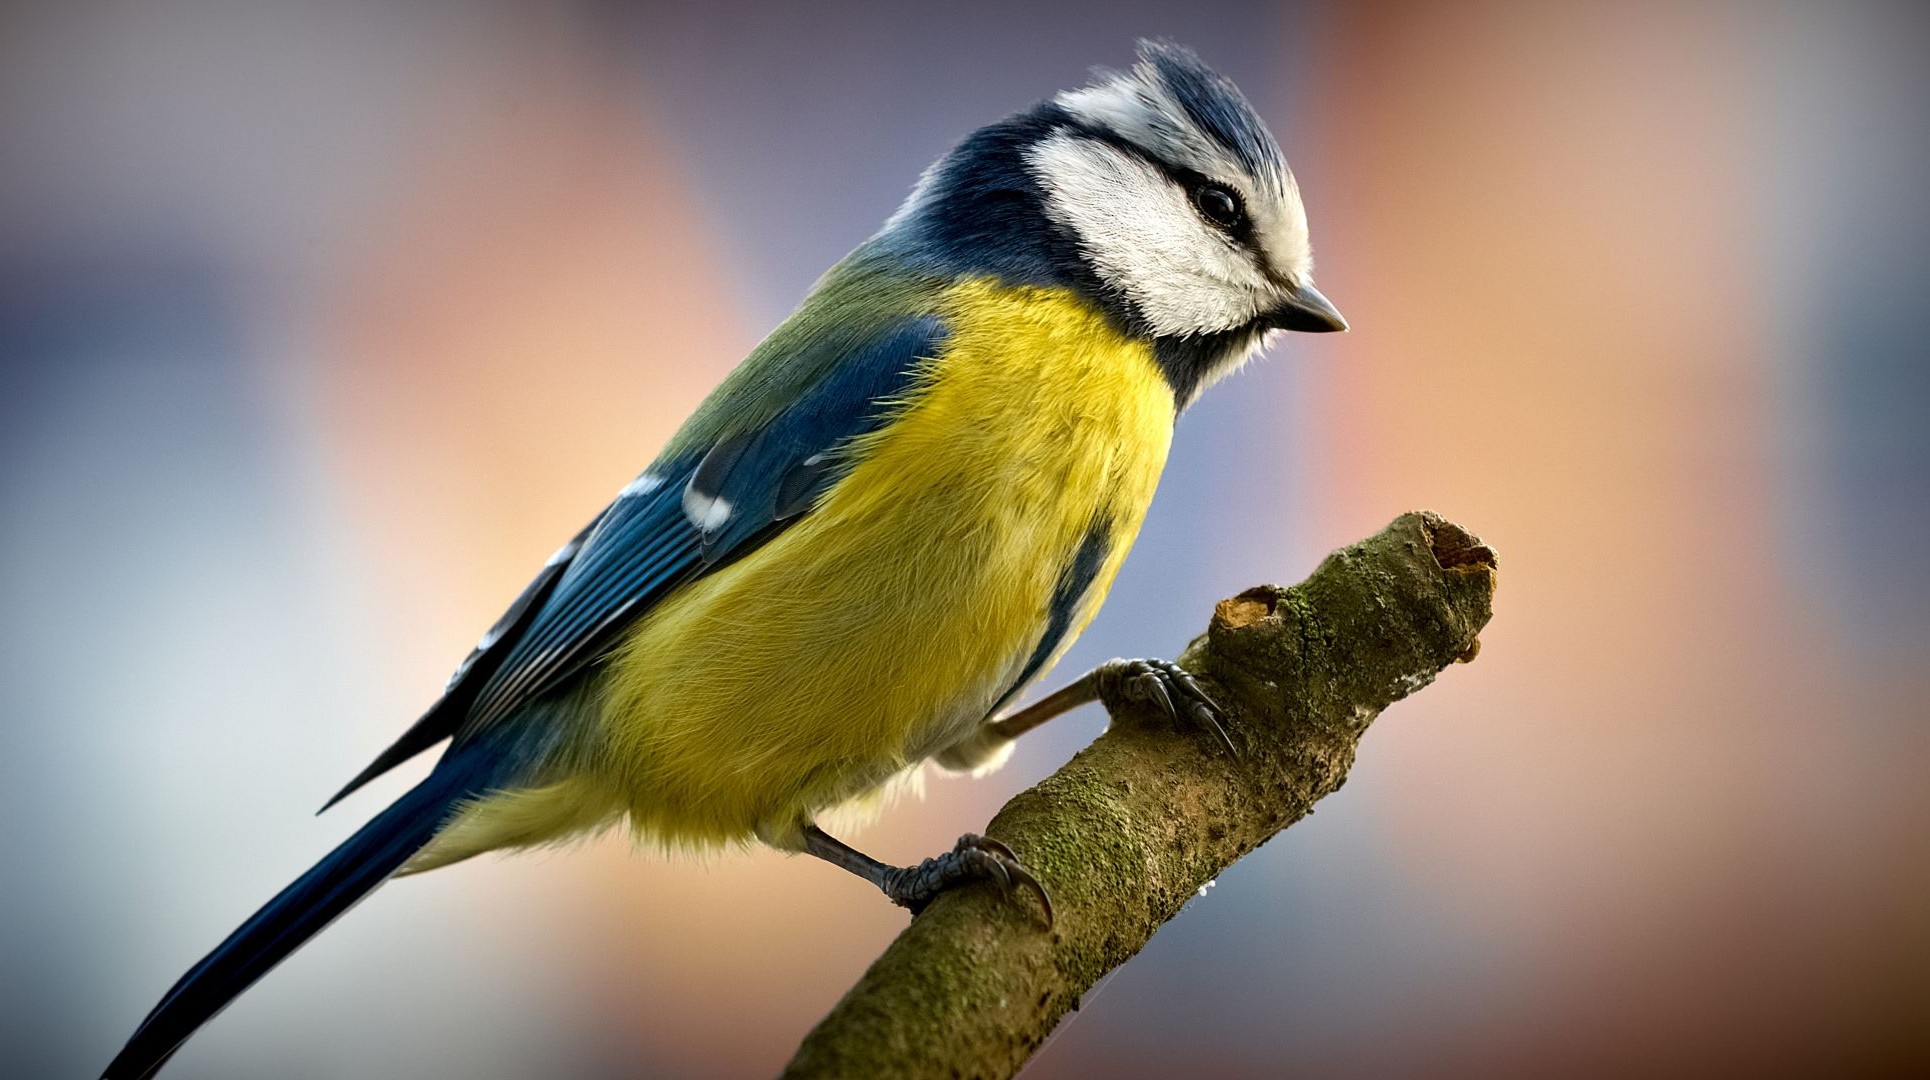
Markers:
point(1157, 191)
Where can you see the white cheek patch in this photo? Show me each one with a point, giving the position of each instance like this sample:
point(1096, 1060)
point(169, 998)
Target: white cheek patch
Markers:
point(1145, 239)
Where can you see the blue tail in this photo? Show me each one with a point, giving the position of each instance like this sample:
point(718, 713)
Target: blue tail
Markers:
point(304, 908)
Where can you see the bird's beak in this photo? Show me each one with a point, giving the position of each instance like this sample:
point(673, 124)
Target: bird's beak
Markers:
point(1307, 311)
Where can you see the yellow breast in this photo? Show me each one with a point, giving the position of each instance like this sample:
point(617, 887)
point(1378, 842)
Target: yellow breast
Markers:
point(885, 623)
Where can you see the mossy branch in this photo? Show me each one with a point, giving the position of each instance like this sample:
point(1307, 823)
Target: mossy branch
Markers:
point(1133, 826)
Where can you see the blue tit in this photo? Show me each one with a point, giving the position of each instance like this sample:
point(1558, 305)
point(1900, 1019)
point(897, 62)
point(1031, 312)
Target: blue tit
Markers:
point(895, 514)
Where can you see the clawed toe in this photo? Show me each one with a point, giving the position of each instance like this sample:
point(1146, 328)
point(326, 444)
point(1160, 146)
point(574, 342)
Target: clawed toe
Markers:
point(974, 857)
point(1011, 872)
point(1166, 685)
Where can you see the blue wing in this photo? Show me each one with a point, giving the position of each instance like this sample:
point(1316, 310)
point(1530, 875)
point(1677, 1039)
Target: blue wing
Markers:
point(685, 517)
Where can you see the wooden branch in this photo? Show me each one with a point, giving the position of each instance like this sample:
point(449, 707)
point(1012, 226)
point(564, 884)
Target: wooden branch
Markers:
point(1131, 828)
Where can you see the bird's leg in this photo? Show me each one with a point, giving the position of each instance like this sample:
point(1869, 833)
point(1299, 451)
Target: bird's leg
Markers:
point(1120, 682)
point(975, 857)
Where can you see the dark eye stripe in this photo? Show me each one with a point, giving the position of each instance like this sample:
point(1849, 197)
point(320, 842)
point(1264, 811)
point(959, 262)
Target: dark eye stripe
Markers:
point(1241, 231)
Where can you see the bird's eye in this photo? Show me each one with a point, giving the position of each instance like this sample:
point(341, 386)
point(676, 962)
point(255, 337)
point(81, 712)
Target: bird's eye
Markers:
point(1218, 204)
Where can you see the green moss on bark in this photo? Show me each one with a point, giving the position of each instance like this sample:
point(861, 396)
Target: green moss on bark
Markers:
point(1129, 829)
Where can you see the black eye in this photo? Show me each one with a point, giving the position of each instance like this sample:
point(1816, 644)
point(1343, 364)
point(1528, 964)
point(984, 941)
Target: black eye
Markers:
point(1218, 204)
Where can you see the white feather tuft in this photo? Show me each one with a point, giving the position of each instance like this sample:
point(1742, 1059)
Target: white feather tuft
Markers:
point(642, 485)
point(707, 512)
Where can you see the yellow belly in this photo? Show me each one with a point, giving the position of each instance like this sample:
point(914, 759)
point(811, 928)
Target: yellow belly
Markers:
point(883, 625)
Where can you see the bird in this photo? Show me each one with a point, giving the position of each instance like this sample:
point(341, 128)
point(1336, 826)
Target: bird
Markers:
point(877, 531)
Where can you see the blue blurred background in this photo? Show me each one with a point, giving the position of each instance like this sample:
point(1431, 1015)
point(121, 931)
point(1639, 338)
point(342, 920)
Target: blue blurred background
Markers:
point(322, 325)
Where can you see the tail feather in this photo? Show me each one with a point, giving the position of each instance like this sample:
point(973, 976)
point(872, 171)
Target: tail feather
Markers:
point(301, 911)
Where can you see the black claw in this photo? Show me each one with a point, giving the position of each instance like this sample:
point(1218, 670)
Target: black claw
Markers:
point(1161, 682)
point(1208, 717)
point(1193, 688)
point(1025, 878)
point(998, 870)
point(993, 846)
point(1208, 701)
point(973, 857)
point(1154, 687)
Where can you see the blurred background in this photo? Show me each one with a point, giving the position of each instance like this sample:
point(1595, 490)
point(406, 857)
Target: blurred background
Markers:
point(322, 325)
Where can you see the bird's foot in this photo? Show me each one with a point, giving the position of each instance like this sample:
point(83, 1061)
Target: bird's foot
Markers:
point(1163, 684)
point(974, 858)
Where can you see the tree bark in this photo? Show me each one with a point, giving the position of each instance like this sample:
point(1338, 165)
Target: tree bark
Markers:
point(1132, 827)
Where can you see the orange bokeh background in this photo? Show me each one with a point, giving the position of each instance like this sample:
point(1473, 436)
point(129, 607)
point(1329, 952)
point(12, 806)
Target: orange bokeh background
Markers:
point(329, 326)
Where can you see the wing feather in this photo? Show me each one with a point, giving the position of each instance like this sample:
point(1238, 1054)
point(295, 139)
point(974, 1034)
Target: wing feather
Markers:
point(685, 517)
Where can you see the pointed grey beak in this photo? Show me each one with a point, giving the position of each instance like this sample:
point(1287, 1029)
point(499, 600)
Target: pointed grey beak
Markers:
point(1308, 312)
